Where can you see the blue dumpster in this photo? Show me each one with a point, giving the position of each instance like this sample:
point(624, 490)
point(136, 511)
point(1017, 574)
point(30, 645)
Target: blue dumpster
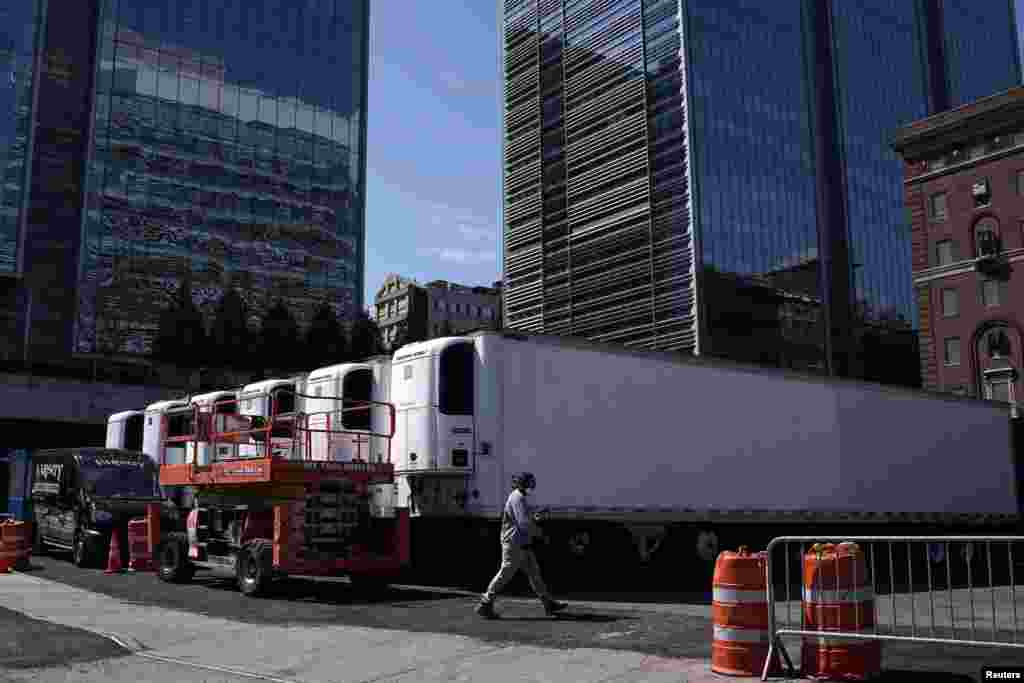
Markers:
point(16, 460)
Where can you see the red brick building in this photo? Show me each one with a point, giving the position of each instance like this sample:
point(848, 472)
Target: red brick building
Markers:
point(964, 191)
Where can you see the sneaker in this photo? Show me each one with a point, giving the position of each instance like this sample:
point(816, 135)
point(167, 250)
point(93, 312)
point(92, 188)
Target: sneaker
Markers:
point(554, 607)
point(486, 610)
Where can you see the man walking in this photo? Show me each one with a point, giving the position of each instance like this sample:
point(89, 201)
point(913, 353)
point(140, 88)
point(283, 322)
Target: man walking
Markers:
point(518, 534)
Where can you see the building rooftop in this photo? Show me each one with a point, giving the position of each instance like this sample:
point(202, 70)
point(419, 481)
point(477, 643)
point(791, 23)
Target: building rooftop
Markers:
point(953, 127)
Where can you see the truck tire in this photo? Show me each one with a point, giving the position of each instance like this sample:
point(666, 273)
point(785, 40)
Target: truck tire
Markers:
point(38, 547)
point(255, 568)
point(174, 565)
point(369, 585)
point(81, 554)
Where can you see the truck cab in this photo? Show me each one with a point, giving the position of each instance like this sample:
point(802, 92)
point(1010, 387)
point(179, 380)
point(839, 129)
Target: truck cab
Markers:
point(80, 495)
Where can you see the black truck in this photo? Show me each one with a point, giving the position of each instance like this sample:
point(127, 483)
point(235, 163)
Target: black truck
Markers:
point(80, 495)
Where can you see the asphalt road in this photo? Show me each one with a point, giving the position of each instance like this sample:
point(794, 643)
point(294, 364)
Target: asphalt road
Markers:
point(27, 643)
point(666, 630)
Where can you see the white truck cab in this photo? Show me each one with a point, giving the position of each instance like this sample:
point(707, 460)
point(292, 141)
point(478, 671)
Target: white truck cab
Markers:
point(341, 428)
point(124, 430)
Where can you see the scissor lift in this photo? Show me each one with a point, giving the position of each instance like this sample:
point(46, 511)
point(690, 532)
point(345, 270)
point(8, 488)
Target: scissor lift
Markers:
point(263, 509)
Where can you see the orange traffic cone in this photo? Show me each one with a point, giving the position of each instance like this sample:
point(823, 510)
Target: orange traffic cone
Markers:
point(114, 565)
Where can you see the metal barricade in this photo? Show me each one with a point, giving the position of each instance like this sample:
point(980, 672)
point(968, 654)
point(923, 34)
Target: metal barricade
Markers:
point(937, 577)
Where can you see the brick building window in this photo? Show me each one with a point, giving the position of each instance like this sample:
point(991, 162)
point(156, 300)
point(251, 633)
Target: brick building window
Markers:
point(991, 293)
point(986, 238)
point(950, 303)
point(952, 351)
point(944, 252)
point(981, 190)
point(1018, 178)
point(937, 207)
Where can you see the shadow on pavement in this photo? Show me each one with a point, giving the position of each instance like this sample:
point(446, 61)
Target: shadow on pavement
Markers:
point(640, 597)
point(27, 643)
point(894, 676)
point(334, 592)
point(576, 616)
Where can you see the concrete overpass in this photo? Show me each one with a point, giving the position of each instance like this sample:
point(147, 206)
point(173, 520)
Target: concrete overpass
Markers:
point(47, 412)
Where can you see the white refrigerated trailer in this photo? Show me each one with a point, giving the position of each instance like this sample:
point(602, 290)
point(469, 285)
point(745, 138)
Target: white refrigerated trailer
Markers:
point(652, 458)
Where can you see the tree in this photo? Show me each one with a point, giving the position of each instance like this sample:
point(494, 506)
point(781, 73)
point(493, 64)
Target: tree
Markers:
point(365, 337)
point(231, 341)
point(325, 341)
point(181, 337)
point(279, 341)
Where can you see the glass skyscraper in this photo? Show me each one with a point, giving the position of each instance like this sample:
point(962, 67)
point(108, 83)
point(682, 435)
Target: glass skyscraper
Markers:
point(222, 144)
point(715, 176)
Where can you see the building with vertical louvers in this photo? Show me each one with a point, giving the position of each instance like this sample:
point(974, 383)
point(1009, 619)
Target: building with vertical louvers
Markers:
point(714, 177)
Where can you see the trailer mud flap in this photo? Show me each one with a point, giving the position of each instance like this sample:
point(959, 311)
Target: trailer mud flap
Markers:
point(647, 538)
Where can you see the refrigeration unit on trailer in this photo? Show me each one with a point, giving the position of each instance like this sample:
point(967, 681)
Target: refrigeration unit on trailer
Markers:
point(363, 388)
point(216, 411)
point(125, 429)
point(266, 510)
point(649, 453)
point(166, 422)
point(272, 406)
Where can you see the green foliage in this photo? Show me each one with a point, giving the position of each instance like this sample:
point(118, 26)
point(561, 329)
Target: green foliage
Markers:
point(325, 342)
point(365, 337)
point(280, 346)
point(231, 342)
point(181, 337)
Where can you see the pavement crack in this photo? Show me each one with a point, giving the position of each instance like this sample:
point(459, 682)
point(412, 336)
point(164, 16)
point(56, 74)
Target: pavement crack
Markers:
point(443, 662)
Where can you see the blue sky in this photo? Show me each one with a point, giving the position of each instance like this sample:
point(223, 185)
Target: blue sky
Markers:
point(434, 138)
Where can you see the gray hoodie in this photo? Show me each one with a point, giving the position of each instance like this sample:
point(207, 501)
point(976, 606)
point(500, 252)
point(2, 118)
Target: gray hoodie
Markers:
point(516, 524)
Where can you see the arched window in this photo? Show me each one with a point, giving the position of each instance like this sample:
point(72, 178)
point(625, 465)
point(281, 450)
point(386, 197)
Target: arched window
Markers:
point(997, 343)
point(995, 359)
point(986, 237)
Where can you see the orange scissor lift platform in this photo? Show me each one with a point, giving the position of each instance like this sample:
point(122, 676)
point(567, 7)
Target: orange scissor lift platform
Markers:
point(309, 517)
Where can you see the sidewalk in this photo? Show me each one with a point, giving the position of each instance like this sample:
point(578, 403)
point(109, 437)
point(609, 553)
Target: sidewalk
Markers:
point(170, 645)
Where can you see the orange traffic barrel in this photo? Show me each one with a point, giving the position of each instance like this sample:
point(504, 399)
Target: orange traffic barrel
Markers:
point(139, 557)
point(838, 597)
point(15, 545)
point(739, 609)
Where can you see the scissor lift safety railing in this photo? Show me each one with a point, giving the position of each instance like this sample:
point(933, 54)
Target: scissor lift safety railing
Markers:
point(265, 436)
point(957, 564)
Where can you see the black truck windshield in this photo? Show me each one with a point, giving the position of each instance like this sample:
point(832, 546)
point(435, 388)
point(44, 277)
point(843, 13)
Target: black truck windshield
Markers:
point(121, 482)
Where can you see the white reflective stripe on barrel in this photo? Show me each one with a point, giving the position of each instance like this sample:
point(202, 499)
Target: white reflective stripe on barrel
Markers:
point(739, 596)
point(741, 635)
point(840, 596)
point(834, 642)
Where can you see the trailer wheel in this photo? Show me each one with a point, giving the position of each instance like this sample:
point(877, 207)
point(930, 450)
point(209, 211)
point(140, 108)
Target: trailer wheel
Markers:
point(174, 565)
point(255, 568)
point(81, 554)
point(38, 547)
point(369, 585)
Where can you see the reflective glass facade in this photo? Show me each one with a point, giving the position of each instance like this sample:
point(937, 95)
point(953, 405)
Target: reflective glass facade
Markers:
point(756, 212)
point(891, 34)
point(20, 21)
point(228, 142)
point(980, 45)
point(159, 140)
